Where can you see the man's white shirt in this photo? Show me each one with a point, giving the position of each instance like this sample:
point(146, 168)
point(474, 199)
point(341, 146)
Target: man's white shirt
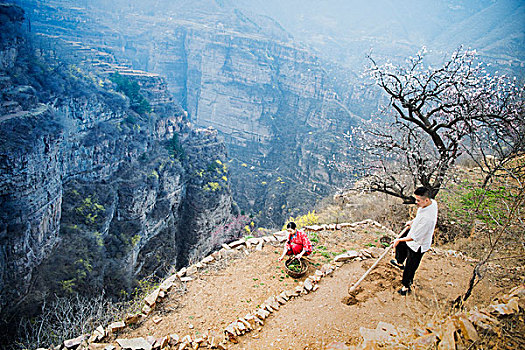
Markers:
point(422, 228)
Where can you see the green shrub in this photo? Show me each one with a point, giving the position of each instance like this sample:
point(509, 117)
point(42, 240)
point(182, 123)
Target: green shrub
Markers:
point(174, 146)
point(89, 210)
point(131, 89)
point(212, 186)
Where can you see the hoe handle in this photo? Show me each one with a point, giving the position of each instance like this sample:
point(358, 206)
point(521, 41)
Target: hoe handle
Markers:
point(354, 287)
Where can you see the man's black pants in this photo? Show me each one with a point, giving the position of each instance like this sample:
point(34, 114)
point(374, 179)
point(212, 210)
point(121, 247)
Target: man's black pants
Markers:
point(403, 252)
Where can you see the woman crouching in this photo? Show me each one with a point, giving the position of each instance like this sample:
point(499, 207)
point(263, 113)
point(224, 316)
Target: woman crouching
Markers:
point(297, 244)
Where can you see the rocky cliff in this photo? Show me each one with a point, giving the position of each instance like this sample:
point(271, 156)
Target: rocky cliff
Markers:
point(275, 105)
point(94, 195)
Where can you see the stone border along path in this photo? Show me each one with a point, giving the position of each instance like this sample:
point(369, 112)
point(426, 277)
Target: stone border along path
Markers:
point(251, 321)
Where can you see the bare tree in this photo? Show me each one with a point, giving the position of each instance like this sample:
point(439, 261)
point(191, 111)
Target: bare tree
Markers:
point(64, 318)
point(436, 113)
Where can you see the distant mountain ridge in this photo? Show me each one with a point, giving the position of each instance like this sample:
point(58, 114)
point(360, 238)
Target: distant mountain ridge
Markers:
point(347, 30)
point(488, 33)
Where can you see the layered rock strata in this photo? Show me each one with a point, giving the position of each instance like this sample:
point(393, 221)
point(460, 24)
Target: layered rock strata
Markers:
point(93, 195)
point(272, 101)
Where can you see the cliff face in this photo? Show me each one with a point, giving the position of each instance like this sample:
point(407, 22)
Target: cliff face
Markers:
point(92, 194)
point(271, 100)
point(273, 105)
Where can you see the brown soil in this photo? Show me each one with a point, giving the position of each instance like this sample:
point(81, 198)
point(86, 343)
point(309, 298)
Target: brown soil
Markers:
point(236, 287)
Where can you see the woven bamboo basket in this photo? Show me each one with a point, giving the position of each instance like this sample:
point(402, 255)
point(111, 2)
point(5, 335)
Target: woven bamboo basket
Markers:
point(294, 273)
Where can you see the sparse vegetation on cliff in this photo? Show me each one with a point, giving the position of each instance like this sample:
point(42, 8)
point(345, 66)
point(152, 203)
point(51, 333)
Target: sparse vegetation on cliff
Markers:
point(65, 317)
point(174, 146)
point(131, 89)
point(307, 219)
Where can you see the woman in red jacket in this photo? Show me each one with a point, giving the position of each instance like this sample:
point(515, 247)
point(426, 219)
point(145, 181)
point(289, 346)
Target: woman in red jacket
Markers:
point(297, 244)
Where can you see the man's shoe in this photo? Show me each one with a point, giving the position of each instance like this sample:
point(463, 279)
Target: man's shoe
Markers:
point(404, 292)
point(394, 263)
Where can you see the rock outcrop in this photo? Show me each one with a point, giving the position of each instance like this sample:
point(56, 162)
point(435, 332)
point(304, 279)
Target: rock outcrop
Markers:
point(94, 195)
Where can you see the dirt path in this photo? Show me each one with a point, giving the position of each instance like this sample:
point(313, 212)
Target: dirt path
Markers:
point(231, 289)
point(36, 111)
point(322, 317)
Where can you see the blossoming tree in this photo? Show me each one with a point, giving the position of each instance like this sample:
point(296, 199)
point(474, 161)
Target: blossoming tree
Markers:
point(438, 114)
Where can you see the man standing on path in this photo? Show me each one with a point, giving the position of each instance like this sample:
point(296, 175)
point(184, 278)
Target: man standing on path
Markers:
point(411, 247)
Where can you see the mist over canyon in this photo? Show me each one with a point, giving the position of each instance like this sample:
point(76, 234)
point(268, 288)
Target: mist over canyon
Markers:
point(108, 178)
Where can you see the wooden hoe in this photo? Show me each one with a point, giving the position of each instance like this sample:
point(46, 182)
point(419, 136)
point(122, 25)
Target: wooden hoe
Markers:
point(354, 287)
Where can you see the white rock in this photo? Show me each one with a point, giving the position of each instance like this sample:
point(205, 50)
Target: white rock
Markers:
point(134, 344)
point(237, 243)
point(162, 342)
point(268, 307)
point(73, 343)
point(241, 327)
point(186, 339)
point(253, 240)
point(281, 236)
point(273, 303)
point(505, 309)
point(166, 285)
point(299, 290)
point(315, 228)
point(151, 299)
point(262, 314)
point(308, 285)
point(231, 329)
point(246, 324)
point(315, 278)
point(346, 256)
point(207, 259)
point(146, 310)
point(284, 295)
point(365, 253)
point(280, 300)
point(191, 270)
point(384, 332)
point(182, 272)
point(327, 269)
point(174, 339)
point(116, 326)
point(271, 239)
